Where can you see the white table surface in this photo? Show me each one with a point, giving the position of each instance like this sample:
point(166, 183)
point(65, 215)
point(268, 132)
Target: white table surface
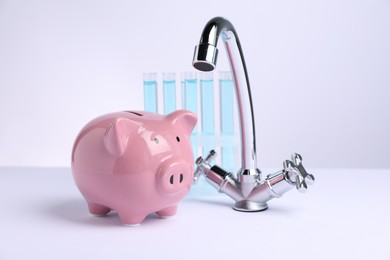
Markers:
point(345, 215)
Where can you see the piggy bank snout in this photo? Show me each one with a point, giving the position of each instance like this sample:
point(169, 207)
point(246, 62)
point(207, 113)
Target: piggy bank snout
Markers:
point(175, 176)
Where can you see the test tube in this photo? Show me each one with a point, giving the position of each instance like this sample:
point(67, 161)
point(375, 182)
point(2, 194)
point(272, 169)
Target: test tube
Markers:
point(207, 108)
point(190, 93)
point(190, 102)
point(150, 92)
point(169, 91)
point(226, 91)
point(183, 89)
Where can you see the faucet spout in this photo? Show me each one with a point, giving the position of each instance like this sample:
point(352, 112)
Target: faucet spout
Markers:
point(205, 59)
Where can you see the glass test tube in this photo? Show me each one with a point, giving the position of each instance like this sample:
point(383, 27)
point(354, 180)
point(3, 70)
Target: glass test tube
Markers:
point(169, 91)
point(183, 89)
point(190, 102)
point(226, 91)
point(190, 93)
point(207, 107)
point(150, 92)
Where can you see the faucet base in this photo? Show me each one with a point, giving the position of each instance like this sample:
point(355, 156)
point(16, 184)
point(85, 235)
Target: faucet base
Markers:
point(250, 206)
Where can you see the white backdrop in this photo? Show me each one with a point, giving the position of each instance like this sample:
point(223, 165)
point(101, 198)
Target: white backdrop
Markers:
point(319, 70)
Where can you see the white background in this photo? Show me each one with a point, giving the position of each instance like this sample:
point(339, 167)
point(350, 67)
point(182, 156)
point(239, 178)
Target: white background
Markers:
point(319, 70)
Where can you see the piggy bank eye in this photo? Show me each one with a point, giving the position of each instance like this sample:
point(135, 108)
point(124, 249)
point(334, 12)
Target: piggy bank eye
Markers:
point(156, 140)
point(178, 139)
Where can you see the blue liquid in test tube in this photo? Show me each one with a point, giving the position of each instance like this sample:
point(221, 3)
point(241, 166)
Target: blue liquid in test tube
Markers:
point(226, 91)
point(207, 106)
point(169, 89)
point(150, 92)
point(190, 102)
point(190, 93)
point(183, 90)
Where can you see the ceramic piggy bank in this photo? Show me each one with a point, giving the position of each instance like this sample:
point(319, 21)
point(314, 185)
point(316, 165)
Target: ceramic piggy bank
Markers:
point(135, 163)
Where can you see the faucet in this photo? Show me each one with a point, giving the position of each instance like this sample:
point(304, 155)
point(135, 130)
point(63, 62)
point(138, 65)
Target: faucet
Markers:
point(247, 188)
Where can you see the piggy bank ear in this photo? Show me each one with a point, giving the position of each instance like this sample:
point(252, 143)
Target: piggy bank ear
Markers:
point(183, 119)
point(118, 134)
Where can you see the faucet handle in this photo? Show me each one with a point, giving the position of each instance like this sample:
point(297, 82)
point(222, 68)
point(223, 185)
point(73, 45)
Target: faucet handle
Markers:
point(297, 159)
point(295, 167)
point(201, 163)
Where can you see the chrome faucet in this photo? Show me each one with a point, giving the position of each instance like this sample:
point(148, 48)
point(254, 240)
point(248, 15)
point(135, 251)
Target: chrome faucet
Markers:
point(250, 192)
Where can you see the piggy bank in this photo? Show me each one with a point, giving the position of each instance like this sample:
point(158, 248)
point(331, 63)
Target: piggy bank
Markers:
point(135, 163)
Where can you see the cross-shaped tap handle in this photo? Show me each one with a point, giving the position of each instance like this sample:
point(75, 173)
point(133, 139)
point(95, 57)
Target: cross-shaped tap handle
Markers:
point(201, 163)
point(295, 167)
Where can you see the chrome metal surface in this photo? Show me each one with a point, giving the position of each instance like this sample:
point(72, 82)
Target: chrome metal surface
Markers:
point(249, 192)
point(250, 206)
point(201, 163)
point(205, 58)
point(247, 189)
point(297, 173)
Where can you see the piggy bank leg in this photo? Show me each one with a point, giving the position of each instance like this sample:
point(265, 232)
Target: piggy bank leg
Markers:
point(167, 212)
point(98, 210)
point(130, 219)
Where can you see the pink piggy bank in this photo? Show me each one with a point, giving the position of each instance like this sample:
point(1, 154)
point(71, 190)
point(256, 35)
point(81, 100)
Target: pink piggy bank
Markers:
point(135, 163)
